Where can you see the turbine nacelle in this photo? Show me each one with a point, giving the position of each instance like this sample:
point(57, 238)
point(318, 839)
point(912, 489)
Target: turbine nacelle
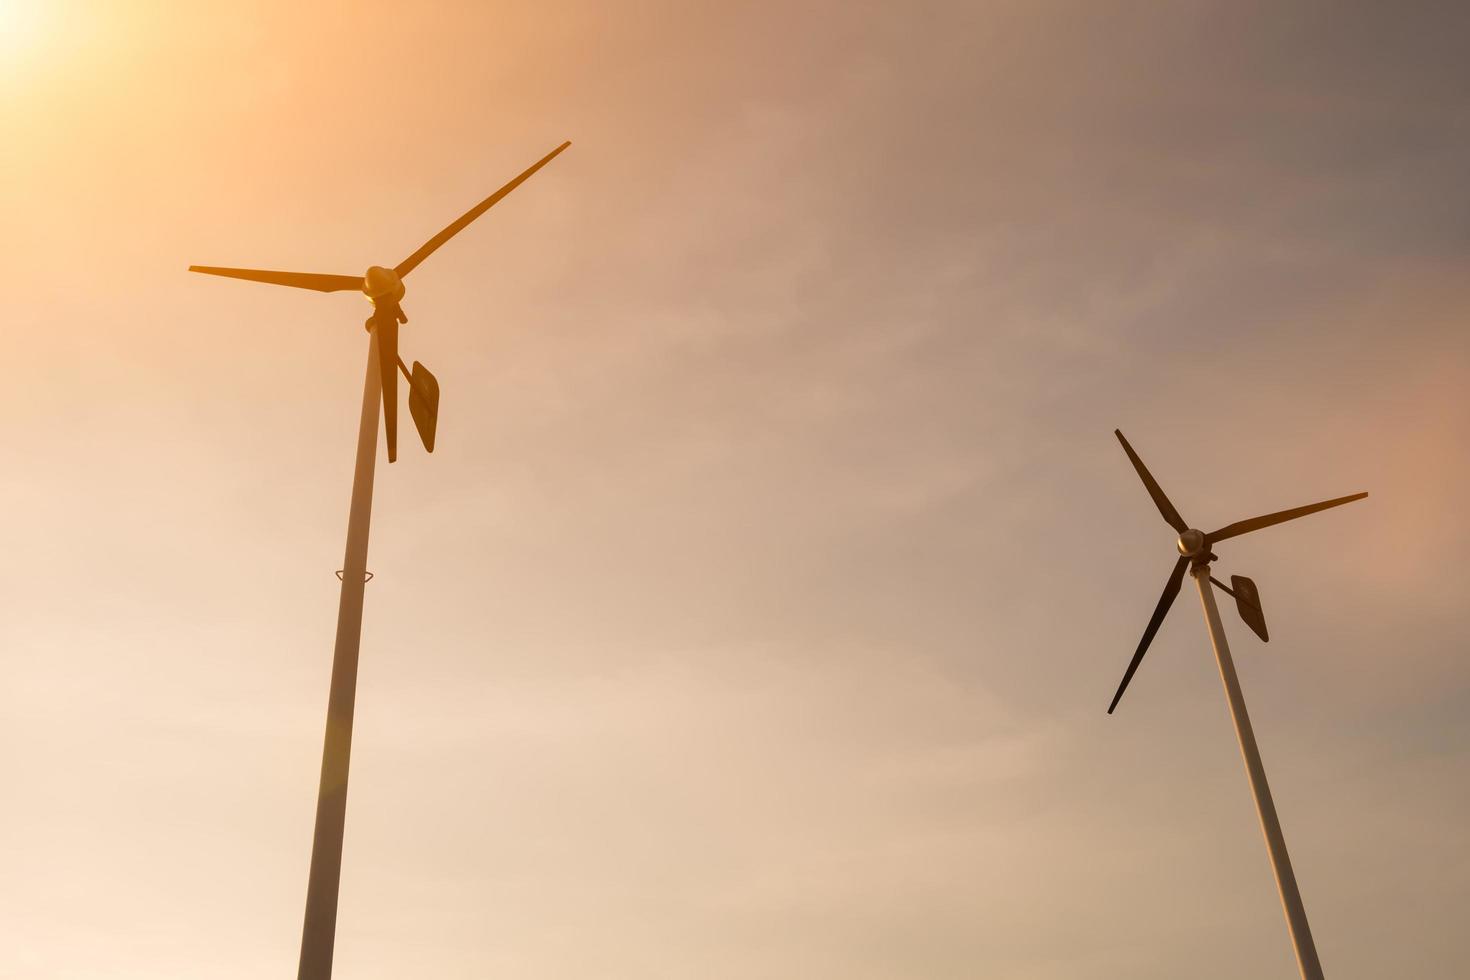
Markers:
point(1192, 543)
point(382, 285)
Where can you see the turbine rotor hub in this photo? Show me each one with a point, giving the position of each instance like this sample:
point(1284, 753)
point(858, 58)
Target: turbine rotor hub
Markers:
point(382, 285)
point(1191, 543)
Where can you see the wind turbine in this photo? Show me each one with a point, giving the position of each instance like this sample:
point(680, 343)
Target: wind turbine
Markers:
point(1195, 554)
point(384, 288)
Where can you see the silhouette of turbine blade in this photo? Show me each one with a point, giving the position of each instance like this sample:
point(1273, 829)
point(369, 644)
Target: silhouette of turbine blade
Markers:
point(1280, 517)
point(385, 335)
point(1171, 589)
point(1154, 490)
point(301, 280)
point(407, 265)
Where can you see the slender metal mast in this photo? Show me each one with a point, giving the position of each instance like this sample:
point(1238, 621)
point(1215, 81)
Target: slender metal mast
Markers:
point(318, 932)
point(384, 287)
point(1291, 896)
point(1196, 552)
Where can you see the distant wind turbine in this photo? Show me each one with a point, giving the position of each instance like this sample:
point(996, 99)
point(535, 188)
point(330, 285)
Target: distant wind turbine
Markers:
point(384, 287)
point(1195, 555)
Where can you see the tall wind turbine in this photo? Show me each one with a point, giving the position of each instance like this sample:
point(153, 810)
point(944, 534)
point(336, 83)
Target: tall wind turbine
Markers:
point(1195, 555)
point(384, 288)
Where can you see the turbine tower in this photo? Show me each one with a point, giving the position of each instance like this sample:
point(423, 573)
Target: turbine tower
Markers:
point(1195, 555)
point(384, 288)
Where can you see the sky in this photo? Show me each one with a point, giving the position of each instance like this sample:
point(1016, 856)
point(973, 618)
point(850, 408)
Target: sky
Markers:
point(757, 612)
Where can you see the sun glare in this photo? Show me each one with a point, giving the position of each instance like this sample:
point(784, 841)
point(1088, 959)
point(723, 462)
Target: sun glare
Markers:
point(22, 24)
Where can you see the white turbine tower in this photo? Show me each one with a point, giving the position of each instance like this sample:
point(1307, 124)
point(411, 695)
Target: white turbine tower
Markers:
point(384, 287)
point(1195, 555)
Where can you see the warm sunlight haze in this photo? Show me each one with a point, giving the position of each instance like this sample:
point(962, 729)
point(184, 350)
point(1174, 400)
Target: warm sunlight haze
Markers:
point(757, 612)
point(23, 26)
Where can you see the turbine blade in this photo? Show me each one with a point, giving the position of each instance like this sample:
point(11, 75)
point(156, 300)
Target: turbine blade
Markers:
point(301, 280)
point(1154, 490)
point(1281, 516)
point(385, 332)
point(1171, 589)
point(407, 265)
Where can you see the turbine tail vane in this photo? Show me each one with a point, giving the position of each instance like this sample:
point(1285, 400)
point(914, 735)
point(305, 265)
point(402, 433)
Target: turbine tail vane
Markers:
point(1248, 604)
point(409, 264)
point(423, 401)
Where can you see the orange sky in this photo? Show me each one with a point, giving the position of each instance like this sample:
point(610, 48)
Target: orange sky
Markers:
point(757, 612)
